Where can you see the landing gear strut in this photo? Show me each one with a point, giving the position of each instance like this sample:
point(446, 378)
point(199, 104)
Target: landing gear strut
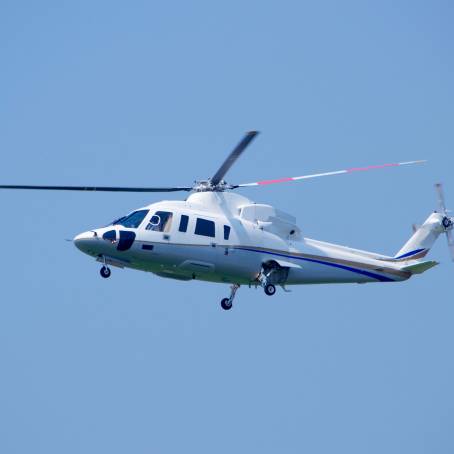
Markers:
point(227, 303)
point(105, 272)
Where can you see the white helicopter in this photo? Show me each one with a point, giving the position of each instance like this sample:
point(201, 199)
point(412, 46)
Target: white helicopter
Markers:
point(218, 236)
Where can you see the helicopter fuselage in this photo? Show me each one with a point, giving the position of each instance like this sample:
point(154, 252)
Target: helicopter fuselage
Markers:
point(226, 238)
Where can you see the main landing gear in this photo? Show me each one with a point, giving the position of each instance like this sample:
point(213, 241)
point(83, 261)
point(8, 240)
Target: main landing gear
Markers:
point(105, 272)
point(227, 303)
point(271, 272)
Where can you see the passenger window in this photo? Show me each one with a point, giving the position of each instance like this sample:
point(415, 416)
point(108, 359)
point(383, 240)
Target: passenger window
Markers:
point(133, 220)
point(183, 223)
point(204, 227)
point(226, 232)
point(161, 221)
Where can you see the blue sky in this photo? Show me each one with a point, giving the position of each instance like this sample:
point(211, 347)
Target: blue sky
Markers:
point(157, 93)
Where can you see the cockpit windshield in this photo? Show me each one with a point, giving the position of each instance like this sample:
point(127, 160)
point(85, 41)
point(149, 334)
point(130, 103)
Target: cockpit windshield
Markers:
point(133, 220)
point(117, 221)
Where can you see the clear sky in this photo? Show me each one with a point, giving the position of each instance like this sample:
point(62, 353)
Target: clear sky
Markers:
point(157, 93)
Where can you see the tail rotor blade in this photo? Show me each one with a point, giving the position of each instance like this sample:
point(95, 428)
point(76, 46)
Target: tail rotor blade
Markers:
point(441, 197)
point(450, 239)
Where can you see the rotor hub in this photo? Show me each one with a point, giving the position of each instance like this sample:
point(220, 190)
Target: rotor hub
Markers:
point(208, 186)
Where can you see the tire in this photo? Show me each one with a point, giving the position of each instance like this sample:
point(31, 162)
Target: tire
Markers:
point(270, 289)
point(105, 272)
point(226, 304)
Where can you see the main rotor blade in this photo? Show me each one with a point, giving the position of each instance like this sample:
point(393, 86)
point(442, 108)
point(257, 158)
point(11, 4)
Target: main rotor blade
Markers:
point(326, 174)
point(97, 188)
point(441, 197)
point(233, 156)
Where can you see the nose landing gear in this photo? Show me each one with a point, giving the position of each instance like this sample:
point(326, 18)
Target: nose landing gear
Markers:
point(227, 303)
point(105, 272)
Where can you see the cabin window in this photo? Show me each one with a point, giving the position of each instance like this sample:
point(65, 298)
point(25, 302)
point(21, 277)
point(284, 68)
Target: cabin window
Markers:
point(133, 220)
point(183, 223)
point(161, 221)
point(226, 232)
point(204, 227)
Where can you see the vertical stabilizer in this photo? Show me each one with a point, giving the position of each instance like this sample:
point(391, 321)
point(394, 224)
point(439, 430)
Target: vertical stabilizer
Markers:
point(423, 238)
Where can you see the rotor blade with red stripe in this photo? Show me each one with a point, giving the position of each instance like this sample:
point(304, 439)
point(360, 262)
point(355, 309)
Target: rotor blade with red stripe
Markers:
point(326, 174)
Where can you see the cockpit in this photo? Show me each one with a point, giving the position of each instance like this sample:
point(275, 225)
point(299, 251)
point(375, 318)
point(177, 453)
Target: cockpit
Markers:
point(161, 221)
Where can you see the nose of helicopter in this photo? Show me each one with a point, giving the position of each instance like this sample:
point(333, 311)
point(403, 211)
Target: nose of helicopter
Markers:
point(85, 241)
point(104, 241)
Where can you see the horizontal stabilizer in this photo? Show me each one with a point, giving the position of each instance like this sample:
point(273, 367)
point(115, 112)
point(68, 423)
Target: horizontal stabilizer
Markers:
point(419, 268)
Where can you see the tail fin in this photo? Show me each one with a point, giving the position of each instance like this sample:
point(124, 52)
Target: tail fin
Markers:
point(423, 239)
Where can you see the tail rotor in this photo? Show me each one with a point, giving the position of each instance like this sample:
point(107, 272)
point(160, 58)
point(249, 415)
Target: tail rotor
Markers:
point(447, 222)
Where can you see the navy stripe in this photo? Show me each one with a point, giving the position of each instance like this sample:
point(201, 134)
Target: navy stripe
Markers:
point(408, 254)
point(335, 265)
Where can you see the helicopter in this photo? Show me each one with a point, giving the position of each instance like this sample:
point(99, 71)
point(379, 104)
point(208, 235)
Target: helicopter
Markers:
point(219, 236)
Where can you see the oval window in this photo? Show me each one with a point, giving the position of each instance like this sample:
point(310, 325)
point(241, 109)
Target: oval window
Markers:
point(155, 220)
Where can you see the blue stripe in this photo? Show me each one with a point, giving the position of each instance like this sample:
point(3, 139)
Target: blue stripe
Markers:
point(335, 265)
point(408, 254)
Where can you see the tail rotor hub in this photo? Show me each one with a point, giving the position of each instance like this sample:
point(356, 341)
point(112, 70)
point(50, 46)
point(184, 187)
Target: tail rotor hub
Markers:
point(447, 223)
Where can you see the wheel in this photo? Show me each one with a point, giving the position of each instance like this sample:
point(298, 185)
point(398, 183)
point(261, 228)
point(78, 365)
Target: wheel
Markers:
point(270, 289)
point(105, 272)
point(226, 304)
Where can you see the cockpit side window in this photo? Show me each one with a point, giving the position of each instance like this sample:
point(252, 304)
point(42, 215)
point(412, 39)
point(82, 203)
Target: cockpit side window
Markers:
point(161, 221)
point(133, 220)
